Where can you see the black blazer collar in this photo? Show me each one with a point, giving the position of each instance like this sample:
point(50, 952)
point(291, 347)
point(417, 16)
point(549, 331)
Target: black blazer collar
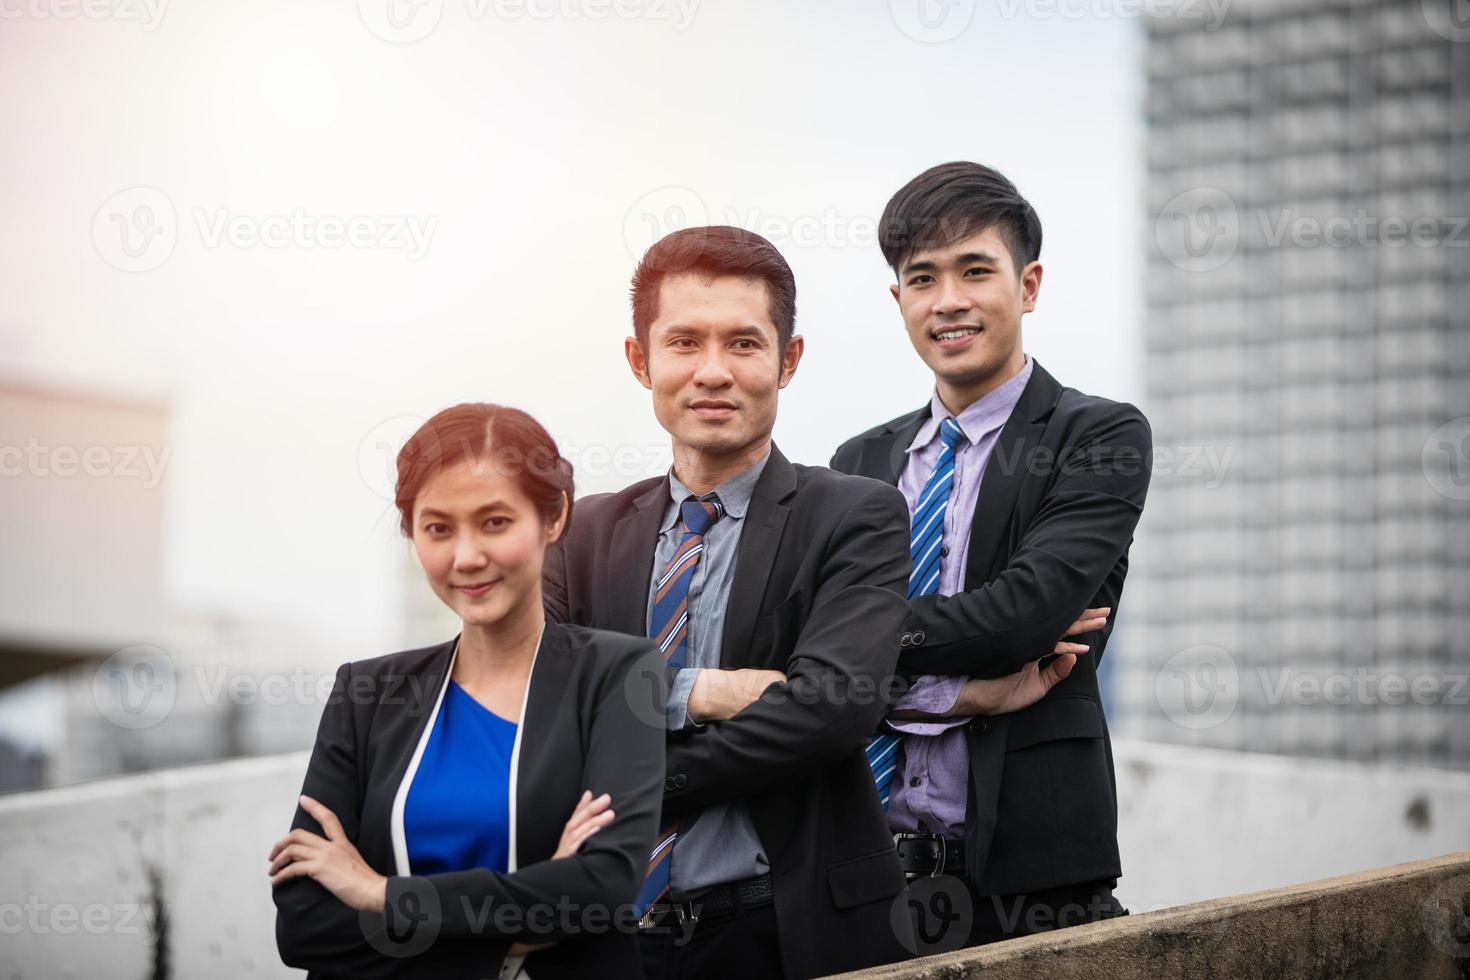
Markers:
point(634, 538)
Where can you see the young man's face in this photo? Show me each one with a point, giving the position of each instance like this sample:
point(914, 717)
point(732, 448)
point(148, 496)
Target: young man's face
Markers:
point(962, 306)
point(713, 363)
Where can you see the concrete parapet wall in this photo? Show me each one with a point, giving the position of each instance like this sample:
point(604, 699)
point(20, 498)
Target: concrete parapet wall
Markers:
point(1407, 921)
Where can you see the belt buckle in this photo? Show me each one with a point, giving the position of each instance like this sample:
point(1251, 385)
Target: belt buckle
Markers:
point(683, 911)
point(939, 863)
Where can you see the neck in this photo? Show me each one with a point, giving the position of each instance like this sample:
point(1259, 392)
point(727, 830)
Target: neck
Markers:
point(701, 471)
point(505, 647)
point(958, 396)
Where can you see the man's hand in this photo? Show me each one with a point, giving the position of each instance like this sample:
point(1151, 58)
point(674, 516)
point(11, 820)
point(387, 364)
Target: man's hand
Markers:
point(1015, 691)
point(719, 695)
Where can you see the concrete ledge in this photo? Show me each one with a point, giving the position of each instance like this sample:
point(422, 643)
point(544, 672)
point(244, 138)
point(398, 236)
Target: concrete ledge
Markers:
point(1410, 920)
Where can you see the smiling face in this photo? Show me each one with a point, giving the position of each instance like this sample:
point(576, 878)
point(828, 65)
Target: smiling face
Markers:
point(713, 364)
point(481, 542)
point(962, 306)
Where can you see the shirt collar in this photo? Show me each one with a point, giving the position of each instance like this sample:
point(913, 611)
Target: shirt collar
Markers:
point(734, 493)
point(981, 418)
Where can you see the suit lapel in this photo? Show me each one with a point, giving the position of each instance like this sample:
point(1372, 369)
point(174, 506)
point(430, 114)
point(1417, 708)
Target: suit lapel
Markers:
point(898, 450)
point(630, 563)
point(760, 540)
point(1005, 471)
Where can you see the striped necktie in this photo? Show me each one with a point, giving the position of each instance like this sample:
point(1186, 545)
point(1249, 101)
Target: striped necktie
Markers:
point(669, 628)
point(925, 534)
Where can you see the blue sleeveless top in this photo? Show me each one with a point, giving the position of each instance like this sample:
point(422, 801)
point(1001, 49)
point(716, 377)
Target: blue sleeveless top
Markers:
point(457, 815)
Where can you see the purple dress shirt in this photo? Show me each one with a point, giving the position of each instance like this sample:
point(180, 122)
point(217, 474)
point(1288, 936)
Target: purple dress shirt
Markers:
point(931, 782)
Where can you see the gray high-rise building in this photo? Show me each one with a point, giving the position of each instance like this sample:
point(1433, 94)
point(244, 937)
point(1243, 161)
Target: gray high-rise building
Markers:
point(1301, 578)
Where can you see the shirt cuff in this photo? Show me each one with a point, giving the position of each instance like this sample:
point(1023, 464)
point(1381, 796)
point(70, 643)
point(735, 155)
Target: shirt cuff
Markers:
point(677, 710)
point(932, 695)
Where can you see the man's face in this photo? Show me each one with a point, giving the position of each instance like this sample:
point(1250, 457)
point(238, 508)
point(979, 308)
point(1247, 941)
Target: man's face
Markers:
point(962, 307)
point(712, 363)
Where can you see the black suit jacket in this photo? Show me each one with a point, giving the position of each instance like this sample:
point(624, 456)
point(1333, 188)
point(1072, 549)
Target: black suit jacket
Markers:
point(818, 593)
point(582, 727)
point(1061, 494)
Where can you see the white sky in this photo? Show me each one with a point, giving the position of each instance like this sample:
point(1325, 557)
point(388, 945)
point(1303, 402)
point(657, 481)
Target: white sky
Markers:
point(541, 154)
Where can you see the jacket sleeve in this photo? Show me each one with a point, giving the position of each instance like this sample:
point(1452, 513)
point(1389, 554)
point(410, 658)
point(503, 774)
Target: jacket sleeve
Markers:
point(838, 684)
point(625, 758)
point(1083, 527)
point(314, 930)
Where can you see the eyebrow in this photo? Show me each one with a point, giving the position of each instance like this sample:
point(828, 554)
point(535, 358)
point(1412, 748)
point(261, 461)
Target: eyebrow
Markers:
point(745, 330)
point(967, 258)
point(493, 505)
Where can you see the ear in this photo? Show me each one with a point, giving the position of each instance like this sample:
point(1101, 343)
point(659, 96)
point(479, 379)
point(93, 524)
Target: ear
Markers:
point(638, 361)
point(894, 290)
point(555, 528)
point(1030, 286)
point(794, 349)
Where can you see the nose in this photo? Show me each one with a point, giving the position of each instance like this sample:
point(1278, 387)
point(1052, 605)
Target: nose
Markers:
point(951, 299)
point(468, 555)
point(712, 370)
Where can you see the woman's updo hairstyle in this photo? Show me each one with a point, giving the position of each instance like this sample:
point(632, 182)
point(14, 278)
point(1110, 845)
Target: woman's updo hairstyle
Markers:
point(518, 445)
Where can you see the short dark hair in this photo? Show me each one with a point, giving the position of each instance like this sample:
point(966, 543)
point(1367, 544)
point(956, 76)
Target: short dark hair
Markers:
point(952, 201)
point(714, 250)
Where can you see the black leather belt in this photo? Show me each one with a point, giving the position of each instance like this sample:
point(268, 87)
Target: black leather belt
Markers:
point(719, 901)
point(929, 855)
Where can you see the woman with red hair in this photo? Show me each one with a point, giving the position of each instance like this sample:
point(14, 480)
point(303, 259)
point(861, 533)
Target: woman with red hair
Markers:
point(487, 805)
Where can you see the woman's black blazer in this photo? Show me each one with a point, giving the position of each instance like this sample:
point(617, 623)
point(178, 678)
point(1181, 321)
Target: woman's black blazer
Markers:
point(592, 719)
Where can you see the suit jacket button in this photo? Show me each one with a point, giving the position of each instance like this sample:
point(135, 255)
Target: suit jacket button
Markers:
point(680, 781)
point(918, 637)
point(906, 639)
point(669, 783)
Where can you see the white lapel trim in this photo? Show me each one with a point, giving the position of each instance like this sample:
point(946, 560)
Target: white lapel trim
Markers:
point(400, 840)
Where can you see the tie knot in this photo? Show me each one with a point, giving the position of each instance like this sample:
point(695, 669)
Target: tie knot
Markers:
point(700, 513)
point(950, 432)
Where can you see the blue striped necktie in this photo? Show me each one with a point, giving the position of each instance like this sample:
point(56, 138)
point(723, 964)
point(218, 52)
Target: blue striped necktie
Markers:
point(669, 628)
point(925, 533)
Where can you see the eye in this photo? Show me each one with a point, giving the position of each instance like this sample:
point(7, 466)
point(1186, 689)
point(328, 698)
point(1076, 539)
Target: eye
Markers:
point(921, 280)
point(745, 344)
point(979, 271)
point(497, 523)
point(684, 343)
point(436, 528)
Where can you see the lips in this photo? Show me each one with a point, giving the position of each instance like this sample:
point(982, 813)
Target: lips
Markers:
point(955, 337)
point(478, 588)
point(712, 408)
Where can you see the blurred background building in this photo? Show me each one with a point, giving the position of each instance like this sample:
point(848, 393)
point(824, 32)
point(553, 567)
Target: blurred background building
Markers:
point(1301, 579)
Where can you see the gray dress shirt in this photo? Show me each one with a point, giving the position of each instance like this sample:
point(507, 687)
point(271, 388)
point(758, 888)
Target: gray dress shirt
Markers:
point(721, 845)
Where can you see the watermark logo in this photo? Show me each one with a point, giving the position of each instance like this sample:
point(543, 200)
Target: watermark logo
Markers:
point(1446, 459)
point(135, 688)
point(377, 453)
point(410, 920)
point(1198, 230)
point(136, 229)
point(661, 212)
point(149, 13)
point(1198, 687)
point(1445, 916)
point(400, 21)
point(933, 915)
point(932, 21)
point(407, 21)
point(1450, 19)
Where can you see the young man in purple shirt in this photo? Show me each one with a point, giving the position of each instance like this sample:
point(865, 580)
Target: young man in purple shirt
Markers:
point(1023, 496)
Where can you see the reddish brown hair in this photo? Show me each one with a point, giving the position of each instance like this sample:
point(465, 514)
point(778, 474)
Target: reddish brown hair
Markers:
point(517, 443)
